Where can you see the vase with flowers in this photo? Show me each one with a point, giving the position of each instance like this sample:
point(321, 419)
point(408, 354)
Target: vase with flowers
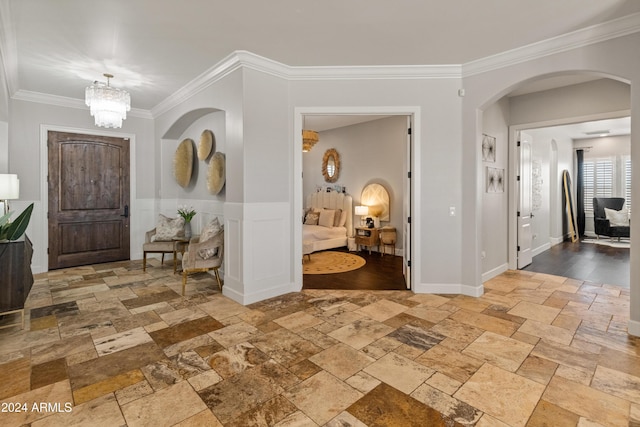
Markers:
point(187, 213)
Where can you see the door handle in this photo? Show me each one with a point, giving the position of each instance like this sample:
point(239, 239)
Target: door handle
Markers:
point(126, 211)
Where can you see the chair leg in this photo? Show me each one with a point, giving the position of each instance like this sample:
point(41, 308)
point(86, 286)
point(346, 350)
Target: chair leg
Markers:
point(218, 279)
point(184, 280)
point(162, 258)
point(175, 262)
point(144, 261)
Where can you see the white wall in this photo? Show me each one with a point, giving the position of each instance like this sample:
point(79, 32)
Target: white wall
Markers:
point(4, 147)
point(495, 121)
point(371, 152)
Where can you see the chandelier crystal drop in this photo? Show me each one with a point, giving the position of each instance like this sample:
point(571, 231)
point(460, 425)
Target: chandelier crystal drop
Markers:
point(108, 105)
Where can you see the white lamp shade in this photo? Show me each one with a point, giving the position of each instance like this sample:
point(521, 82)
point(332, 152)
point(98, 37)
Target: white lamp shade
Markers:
point(362, 210)
point(9, 186)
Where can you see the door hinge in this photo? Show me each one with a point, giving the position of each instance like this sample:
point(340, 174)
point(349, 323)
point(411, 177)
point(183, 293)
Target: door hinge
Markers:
point(47, 215)
point(47, 251)
point(518, 178)
point(518, 248)
point(409, 220)
point(518, 213)
point(518, 143)
point(409, 131)
point(409, 174)
point(408, 263)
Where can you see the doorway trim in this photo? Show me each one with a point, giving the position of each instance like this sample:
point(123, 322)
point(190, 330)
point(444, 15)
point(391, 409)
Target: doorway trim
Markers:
point(44, 188)
point(296, 178)
point(513, 167)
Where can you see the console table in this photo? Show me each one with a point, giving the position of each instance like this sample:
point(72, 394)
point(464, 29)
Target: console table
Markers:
point(16, 278)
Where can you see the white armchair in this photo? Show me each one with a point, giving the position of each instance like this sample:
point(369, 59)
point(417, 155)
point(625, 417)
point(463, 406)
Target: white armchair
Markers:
point(159, 247)
point(203, 256)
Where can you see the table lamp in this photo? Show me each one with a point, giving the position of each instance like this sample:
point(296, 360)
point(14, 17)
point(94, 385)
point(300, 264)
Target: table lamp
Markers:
point(9, 189)
point(362, 211)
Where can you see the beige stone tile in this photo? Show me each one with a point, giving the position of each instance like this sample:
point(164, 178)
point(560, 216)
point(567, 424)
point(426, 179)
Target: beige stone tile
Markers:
point(298, 321)
point(107, 386)
point(429, 313)
point(488, 323)
point(165, 407)
point(548, 414)
point(121, 341)
point(430, 300)
point(204, 418)
point(204, 380)
point(470, 303)
point(566, 355)
point(540, 313)
point(587, 402)
point(342, 360)
point(101, 411)
point(222, 307)
point(363, 382)
point(133, 392)
point(297, 419)
point(617, 383)
point(399, 372)
point(537, 369)
point(57, 394)
point(491, 387)
point(361, 332)
point(577, 375)
point(503, 352)
point(458, 411)
point(322, 397)
point(546, 332)
point(234, 334)
point(382, 310)
point(452, 363)
point(345, 419)
point(444, 383)
point(489, 421)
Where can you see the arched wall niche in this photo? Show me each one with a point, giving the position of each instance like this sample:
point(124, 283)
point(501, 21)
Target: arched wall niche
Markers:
point(179, 126)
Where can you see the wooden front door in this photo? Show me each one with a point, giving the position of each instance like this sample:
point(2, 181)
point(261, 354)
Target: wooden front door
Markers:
point(88, 199)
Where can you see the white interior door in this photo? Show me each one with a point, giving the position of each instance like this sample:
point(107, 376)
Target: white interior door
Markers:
point(525, 215)
point(406, 232)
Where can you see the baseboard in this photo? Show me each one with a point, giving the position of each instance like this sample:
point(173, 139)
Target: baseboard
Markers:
point(449, 288)
point(494, 272)
point(246, 299)
point(556, 240)
point(634, 328)
point(540, 249)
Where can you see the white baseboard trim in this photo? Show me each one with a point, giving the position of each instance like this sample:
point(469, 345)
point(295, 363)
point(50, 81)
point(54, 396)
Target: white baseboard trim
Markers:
point(634, 328)
point(495, 272)
point(556, 240)
point(449, 288)
point(540, 249)
point(246, 299)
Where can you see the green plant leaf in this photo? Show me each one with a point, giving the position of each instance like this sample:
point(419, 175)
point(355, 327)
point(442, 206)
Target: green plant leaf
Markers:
point(19, 226)
point(5, 218)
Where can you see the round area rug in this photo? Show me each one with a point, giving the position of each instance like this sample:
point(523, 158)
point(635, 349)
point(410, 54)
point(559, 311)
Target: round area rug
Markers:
point(328, 262)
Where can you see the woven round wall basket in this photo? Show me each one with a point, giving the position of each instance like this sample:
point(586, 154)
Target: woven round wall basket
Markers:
point(183, 162)
point(216, 173)
point(206, 145)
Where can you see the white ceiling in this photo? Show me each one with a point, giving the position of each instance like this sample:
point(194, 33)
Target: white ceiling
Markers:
point(155, 47)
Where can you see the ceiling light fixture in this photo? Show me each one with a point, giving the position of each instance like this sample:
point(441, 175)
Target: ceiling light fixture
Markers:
point(309, 139)
point(108, 105)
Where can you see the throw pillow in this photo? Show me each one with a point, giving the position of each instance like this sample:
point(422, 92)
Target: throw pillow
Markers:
point(209, 252)
point(210, 230)
point(168, 229)
point(343, 219)
point(312, 218)
point(336, 219)
point(327, 217)
point(616, 218)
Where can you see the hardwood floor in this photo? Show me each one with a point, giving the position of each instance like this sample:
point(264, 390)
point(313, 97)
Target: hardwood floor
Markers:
point(379, 273)
point(585, 261)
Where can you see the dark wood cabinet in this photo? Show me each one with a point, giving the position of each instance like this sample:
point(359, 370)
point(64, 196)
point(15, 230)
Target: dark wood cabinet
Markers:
point(16, 278)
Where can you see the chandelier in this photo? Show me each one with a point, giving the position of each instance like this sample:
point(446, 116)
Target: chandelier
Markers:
point(107, 104)
point(309, 139)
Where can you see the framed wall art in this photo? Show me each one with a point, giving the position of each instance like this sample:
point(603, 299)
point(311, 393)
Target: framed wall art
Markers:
point(488, 148)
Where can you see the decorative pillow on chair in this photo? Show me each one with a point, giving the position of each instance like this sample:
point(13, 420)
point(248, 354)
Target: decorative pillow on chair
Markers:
point(168, 229)
point(210, 230)
point(617, 218)
point(209, 252)
point(327, 216)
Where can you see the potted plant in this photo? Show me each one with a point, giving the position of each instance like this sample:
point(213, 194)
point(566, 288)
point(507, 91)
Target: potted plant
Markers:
point(187, 213)
point(14, 230)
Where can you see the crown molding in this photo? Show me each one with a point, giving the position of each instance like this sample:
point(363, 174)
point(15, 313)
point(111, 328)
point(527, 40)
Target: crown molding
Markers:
point(583, 37)
point(63, 101)
point(249, 60)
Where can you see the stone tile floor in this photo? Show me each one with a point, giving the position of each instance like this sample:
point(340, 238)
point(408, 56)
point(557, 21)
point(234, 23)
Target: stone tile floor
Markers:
point(110, 345)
